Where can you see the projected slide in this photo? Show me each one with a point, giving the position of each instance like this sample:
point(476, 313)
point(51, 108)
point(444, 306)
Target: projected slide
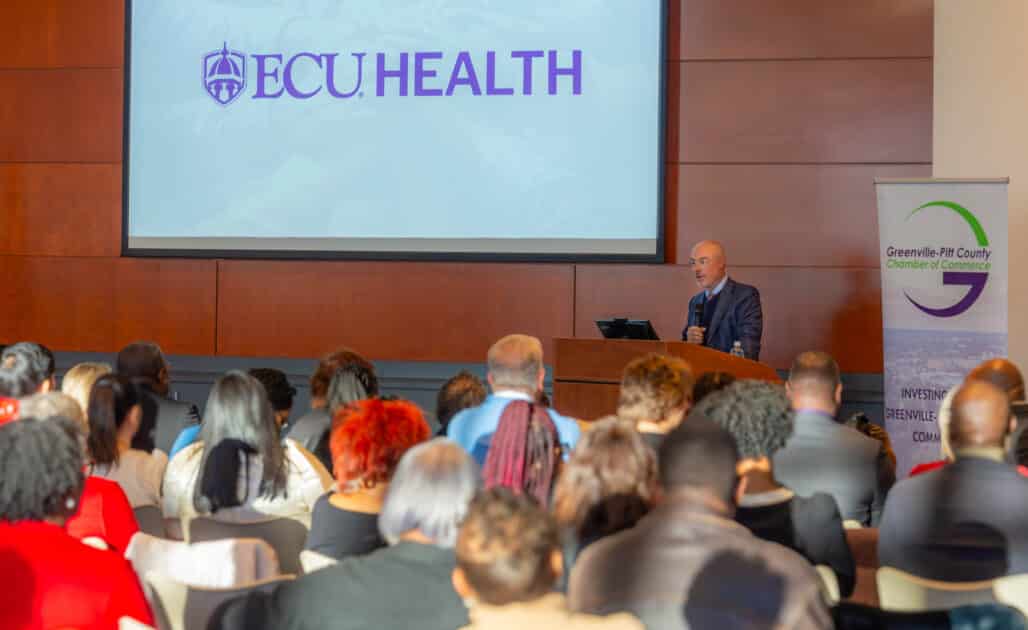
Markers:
point(406, 128)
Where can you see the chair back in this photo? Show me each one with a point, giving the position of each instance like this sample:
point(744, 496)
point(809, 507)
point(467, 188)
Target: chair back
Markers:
point(899, 590)
point(285, 535)
point(1012, 590)
point(829, 583)
point(150, 520)
point(177, 606)
point(312, 561)
point(216, 564)
point(863, 544)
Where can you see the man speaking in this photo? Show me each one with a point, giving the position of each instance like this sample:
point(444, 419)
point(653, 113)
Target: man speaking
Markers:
point(725, 311)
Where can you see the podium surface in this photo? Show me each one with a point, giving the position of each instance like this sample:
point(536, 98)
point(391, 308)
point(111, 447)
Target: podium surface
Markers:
point(587, 372)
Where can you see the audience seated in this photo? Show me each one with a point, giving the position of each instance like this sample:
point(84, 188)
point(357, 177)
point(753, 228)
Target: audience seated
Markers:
point(368, 439)
point(462, 391)
point(524, 453)
point(115, 413)
point(824, 455)
point(341, 378)
point(656, 393)
point(26, 368)
point(710, 382)
point(758, 416)
point(1006, 376)
point(51, 579)
point(508, 560)
point(864, 425)
point(163, 418)
point(240, 471)
point(280, 392)
point(965, 521)
point(79, 380)
point(688, 564)
point(516, 374)
point(606, 486)
point(405, 585)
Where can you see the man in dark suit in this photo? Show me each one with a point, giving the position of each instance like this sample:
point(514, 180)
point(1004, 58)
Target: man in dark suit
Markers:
point(163, 418)
point(965, 521)
point(725, 311)
point(824, 455)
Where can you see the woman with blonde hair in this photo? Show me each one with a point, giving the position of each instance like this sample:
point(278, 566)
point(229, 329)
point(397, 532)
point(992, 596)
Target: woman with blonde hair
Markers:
point(79, 381)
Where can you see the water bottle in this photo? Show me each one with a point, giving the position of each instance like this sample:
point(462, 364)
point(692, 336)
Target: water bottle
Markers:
point(737, 350)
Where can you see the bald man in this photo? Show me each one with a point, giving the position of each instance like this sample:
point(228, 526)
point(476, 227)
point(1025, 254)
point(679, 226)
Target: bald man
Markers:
point(1004, 374)
point(724, 311)
point(965, 521)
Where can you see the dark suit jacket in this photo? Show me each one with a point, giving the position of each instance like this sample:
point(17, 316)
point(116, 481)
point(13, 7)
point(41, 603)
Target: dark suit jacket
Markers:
point(738, 317)
point(823, 455)
point(962, 522)
point(312, 430)
point(163, 419)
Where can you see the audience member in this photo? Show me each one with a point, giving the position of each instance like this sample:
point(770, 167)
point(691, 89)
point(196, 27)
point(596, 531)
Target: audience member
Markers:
point(53, 580)
point(405, 585)
point(115, 413)
point(758, 416)
point(280, 392)
point(239, 470)
point(964, 521)
point(710, 382)
point(607, 485)
point(824, 455)
point(53, 404)
point(163, 418)
point(78, 382)
point(462, 391)
point(516, 374)
point(945, 450)
point(368, 439)
point(864, 425)
point(656, 393)
point(26, 368)
point(688, 564)
point(508, 560)
point(524, 453)
point(1005, 375)
point(340, 378)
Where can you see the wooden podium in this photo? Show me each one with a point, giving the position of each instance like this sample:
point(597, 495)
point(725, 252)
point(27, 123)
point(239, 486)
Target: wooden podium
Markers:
point(587, 372)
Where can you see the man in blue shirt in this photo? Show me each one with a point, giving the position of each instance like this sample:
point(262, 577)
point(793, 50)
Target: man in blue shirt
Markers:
point(516, 372)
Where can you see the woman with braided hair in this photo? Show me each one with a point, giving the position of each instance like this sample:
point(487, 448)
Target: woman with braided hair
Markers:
point(525, 453)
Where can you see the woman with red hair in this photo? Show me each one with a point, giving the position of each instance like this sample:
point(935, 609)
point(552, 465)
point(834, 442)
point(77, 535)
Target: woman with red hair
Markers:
point(368, 439)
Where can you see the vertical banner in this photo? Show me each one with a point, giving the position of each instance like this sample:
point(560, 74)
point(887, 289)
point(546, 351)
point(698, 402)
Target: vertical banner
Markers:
point(944, 298)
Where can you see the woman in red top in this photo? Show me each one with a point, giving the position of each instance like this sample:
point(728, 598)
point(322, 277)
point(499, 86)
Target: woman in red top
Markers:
point(52, 580)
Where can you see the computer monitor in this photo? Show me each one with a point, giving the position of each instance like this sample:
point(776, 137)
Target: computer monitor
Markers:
point(624, 328)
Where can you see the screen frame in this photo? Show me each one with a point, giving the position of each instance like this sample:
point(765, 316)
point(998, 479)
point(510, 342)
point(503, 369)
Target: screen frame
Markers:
point(661, 207)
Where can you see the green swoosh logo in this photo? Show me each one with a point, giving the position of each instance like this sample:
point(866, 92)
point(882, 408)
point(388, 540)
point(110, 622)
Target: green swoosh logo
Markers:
point(976, 227)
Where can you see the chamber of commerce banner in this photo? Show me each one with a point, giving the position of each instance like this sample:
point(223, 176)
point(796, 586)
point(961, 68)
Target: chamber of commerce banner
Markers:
point(944, 298)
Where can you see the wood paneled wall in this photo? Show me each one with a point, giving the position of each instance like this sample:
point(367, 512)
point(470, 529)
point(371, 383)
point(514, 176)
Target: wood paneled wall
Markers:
point(780, 115)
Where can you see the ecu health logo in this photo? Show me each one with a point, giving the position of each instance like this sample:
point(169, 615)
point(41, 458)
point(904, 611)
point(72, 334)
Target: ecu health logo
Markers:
point(974, 280)
point(224, 74)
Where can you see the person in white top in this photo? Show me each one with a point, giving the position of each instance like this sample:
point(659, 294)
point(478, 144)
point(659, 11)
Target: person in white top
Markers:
point(239, 470)
point(114, 415)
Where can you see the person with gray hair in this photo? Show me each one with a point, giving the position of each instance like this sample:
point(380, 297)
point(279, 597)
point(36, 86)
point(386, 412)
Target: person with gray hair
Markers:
point(516, 375)
point(404, 585)
point(239, 441)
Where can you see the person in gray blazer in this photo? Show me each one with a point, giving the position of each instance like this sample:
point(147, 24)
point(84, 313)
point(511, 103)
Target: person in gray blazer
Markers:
point(824, 455)
point(163, 418)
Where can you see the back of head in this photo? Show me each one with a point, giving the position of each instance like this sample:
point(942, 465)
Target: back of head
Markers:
point(524, 452)
point(429, 493)
point(40, 469)
point(653, 387)
point(1003, 374)
point(516, 362)
point(505, 548)
point(276, 384)
point(79, 380)
point(346, 386)
point(462, 391)
point(368, 439)
point(756, 413)
point(979, 416)
point(52, 405)
point(710, 382)
point(33, 366)
point(814, 374)
point(143, 360)
point(112, 398)
point(343, 359)
point(700, 455)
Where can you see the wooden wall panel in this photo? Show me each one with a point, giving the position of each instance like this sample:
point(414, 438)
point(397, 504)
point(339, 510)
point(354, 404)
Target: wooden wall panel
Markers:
point(61, 33)
point(60, 209)
point(409, 311)
point(804, 29)
point(61, 115)
point(817, 215)
point(854, 110)
point(833, 309)
point(100, 304)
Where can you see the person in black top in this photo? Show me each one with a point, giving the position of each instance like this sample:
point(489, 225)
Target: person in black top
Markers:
point(367, 440)
point(656, 393)
point(759, 417)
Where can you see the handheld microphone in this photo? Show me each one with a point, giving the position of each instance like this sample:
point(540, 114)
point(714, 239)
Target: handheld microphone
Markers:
point(697, 313)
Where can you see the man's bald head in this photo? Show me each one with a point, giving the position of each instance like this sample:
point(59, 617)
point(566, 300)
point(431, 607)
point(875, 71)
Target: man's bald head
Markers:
point(979, 415)
point(708, 262)
point(1003, 374)
point(516, 362)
